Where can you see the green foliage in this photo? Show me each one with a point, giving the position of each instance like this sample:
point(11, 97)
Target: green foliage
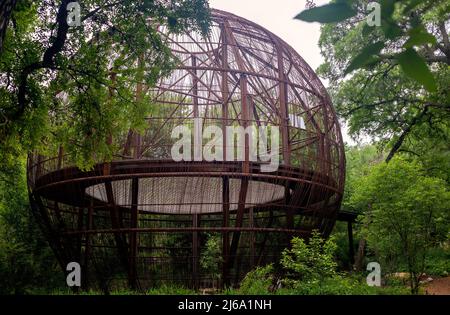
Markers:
point(438, 261)
point(406, 214)
point(384, 97)
point(359, 160)
point(211, 256)
point(162, 290)
point(304, 264)
point(310, 270)
point(365, 56)
point(171, 290)
point(310, 261)
point(400, 21)
point(257, 281)
point(26, 261)
point(415, 67)
point(77, 86)
point(340, 285)
point(341, 238)
point(329, 13)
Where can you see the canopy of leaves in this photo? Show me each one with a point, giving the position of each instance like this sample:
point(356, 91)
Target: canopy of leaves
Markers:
point(398, 90)
point(76, 86)
point(359, 161)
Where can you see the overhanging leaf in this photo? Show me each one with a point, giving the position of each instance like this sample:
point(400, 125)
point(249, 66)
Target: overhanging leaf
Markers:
point(419, 36)
point(391, 29)
point(387, 8)
point(411, 5)
point(366, 29)
point(329, 13)
point(415, 67)
point(365, 56)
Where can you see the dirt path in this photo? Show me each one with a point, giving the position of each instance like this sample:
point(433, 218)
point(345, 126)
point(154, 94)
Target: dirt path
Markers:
point(438, 286)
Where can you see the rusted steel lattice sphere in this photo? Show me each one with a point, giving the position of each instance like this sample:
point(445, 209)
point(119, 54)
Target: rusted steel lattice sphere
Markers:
point(148, 217)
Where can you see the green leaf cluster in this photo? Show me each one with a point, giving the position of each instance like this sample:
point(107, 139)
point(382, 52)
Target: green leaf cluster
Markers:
point(86, 92)
point(402, 28)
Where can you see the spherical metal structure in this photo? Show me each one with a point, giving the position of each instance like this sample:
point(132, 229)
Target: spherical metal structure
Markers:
point(145, 217)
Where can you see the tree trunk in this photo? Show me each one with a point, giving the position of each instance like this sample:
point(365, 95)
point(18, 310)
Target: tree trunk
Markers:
point(359, 259)
point(415, 283)
point(6, 8)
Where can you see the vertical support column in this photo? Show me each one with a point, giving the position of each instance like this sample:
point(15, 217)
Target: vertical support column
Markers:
point(139, 91)
point(239, 219)
point(132, 268)
point(128, 143)
point(198, 152)
point(225, 179)
point(195, 85)
point(225, 93)
point(284, 111)
point(134, 212)
point(195, 253)
point(326, 141)
point(244, 180)
point(87, 248)
point(322, 162)
point(116, 224)
point(251, 224)
point(225, 234)
point(283, 107)
point(80, 236)
point(245, 121)
point(137, 141)
point(351, 251)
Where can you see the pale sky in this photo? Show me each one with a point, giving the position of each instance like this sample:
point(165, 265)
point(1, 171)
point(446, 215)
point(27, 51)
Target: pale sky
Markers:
point(277, 16)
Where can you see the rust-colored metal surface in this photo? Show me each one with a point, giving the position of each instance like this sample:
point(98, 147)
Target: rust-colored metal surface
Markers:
point(144, 219)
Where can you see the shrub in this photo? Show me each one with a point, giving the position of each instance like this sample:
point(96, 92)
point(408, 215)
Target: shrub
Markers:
point(438, 262)
point(339, 285)
point(171, 290)
point(211, 256)
point(257, 281)
point(312, 261)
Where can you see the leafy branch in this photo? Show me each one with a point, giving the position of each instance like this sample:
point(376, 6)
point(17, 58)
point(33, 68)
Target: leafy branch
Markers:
point(415, 37)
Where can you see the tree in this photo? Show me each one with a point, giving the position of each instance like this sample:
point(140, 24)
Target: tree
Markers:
point(406, 214)
point(398, 87)
point(359, 160)
point(76, 86)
